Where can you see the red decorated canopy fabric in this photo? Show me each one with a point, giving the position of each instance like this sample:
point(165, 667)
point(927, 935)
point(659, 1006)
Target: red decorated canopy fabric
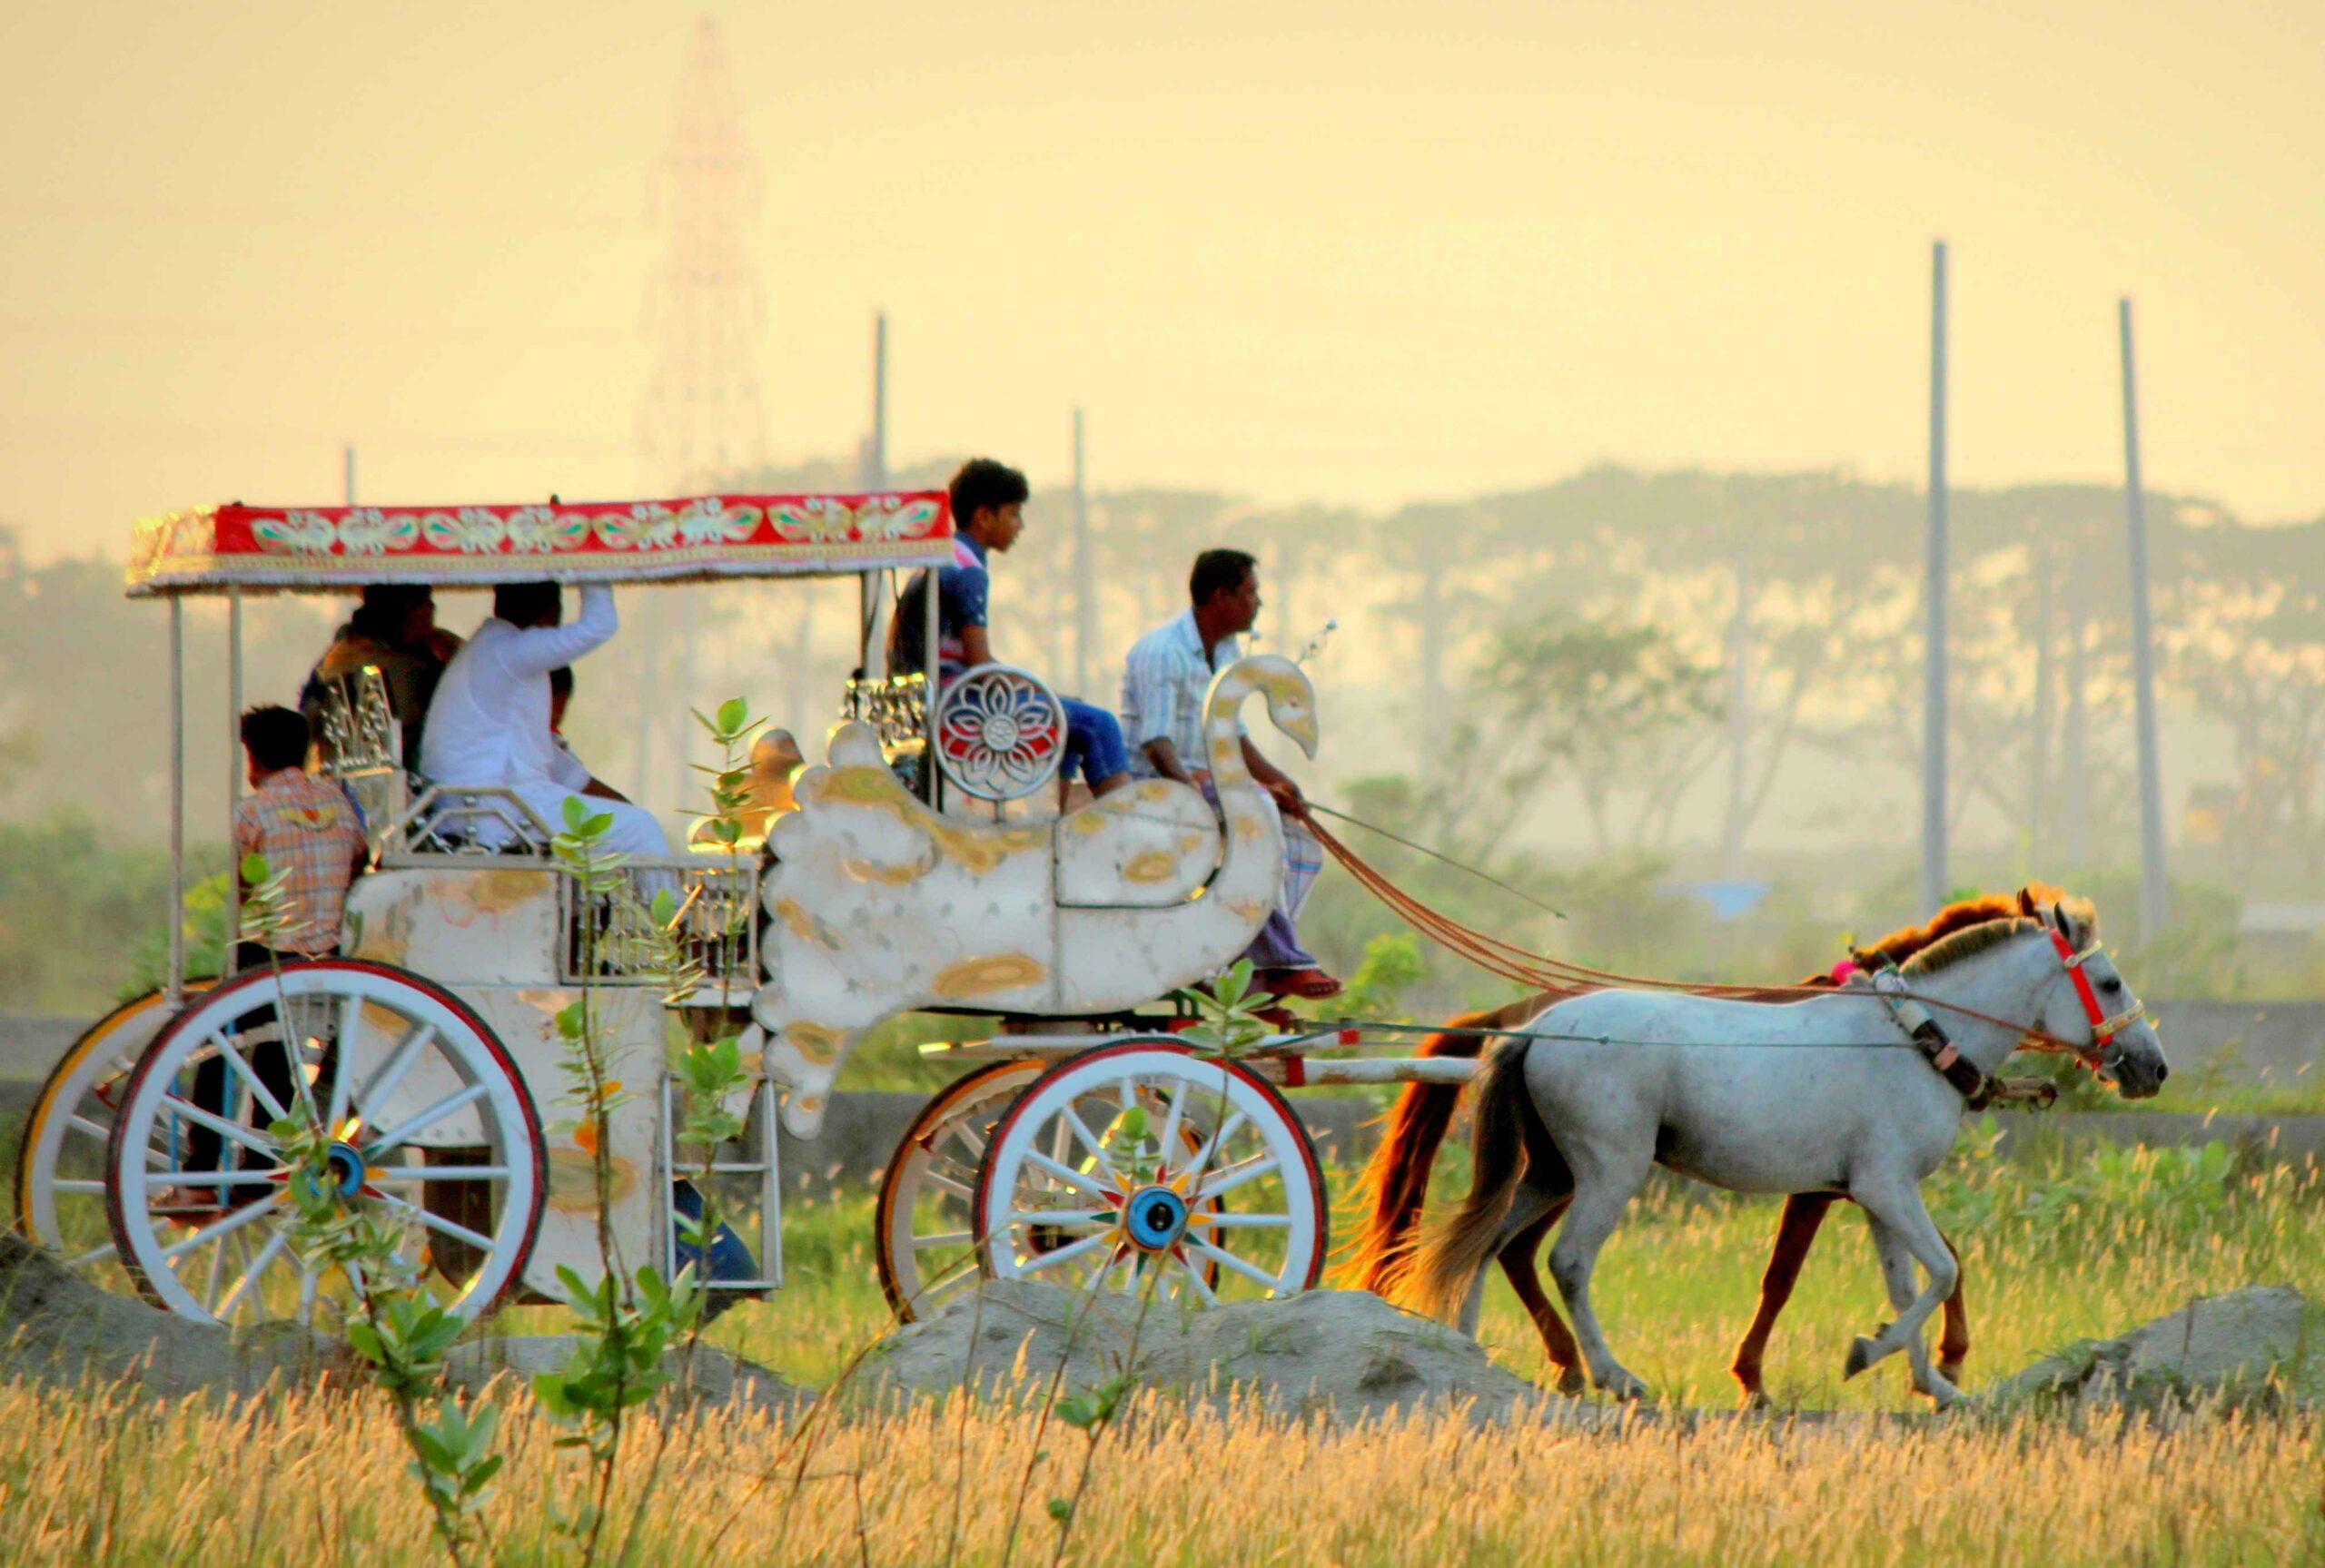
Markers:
point(698, 537)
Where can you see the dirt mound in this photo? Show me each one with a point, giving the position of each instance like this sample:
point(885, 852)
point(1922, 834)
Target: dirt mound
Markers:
point(1343, 1352)
point(57, 1328)
point(2239, 1345)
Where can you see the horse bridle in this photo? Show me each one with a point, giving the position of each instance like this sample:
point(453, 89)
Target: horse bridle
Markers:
point(2104, 1026)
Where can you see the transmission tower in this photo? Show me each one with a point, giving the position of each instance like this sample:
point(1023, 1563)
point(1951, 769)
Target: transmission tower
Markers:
point(702, 416)
point(702, 420)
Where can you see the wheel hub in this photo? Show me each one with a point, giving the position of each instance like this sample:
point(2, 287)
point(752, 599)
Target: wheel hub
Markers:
point(339, 1174)
point(1155, 1218)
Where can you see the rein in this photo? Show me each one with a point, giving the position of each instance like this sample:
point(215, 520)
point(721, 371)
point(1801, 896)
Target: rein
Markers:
point(1540, 971)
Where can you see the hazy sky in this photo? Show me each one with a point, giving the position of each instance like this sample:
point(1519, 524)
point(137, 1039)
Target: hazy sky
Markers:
point(1347, 251)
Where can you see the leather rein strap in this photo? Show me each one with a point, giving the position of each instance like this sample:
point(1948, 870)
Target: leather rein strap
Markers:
point(1543, 973)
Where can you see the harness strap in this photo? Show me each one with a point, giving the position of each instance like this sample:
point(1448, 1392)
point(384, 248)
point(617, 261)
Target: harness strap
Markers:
point(1973, 1086)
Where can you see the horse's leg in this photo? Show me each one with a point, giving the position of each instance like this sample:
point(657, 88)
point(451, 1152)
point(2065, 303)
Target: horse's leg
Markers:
point(1897, 1274)
point(1893, 1199)
point(1606, 1180)
point(1518, 1264)
point(1953, 1337)
point(1804, 1212)
point(1528, 1207)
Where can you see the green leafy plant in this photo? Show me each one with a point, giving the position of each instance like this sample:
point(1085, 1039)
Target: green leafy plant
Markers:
point(397, 1329)
point(1228, 1011)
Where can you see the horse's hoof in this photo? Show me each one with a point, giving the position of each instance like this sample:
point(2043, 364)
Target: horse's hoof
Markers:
point(1863, 1353)
point(1757, 1399)
point(1951, 1371)
point(1625, 1387)
point(1571, 1380)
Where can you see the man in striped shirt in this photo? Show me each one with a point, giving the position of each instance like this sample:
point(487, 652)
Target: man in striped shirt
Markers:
point(1164, 682)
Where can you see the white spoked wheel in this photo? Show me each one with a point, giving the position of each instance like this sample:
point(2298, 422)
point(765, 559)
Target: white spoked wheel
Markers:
point(61, 1163)
point(1090, 1184)
point(926, 1234)
point(430, 1129)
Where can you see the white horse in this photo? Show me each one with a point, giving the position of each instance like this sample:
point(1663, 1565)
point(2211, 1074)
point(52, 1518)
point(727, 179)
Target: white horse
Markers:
point(1827, 1095)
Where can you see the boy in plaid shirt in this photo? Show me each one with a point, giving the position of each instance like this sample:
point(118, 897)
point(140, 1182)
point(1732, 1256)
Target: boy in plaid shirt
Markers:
point(306, 827)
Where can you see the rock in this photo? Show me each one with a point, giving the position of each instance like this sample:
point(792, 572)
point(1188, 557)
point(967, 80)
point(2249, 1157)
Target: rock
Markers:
point(1345, 1353)
point(2226, 1344)
point(57, 1328)
point(717, 1377)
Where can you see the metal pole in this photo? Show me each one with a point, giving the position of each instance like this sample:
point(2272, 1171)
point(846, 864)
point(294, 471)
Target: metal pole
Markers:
point(876, 455)
point(233, 758)
point(1933, 879)
point(1739, 720)
point(2038, 765)
point(347, 470)
point(1086, 592)
point(2154, 902)
point(176, 991)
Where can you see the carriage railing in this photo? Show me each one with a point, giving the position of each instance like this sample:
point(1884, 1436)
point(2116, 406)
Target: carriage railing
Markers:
point(896, 707)
point(488, 825)
point(609, 937)
point(359, 743)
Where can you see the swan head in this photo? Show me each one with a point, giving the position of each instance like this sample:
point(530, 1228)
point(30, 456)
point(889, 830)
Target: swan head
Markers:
point(1291, 699)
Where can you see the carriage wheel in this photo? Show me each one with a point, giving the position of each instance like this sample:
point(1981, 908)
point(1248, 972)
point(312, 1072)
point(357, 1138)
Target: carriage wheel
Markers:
point(927, 1246)
point(61, 1163)
point(398, 1068)
point(1073, 1193)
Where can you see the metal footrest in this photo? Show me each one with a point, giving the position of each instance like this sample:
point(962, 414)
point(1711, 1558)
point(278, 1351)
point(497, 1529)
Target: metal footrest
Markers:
point(748, 1190)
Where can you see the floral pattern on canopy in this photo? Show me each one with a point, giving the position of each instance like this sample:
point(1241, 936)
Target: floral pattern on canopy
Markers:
point(690, 538)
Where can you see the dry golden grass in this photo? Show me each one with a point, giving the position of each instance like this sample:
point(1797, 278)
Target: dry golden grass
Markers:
point(87, 1480)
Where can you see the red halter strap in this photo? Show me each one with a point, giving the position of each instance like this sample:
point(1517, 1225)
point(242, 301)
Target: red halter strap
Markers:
point(2102, 1027)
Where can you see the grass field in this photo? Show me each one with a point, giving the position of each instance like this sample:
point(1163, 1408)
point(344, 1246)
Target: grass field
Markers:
point(91, 1481)
point(2055, 1249)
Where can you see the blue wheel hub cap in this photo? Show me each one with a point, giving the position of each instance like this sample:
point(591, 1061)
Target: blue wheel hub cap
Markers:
point(341, 1174)
point(1155, 1217)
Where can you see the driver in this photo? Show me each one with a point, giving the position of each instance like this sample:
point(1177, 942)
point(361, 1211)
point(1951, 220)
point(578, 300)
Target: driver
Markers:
point(1163, 683)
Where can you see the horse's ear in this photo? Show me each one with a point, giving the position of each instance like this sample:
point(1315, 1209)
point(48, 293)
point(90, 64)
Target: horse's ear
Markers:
point(2027, 904)
point(2060, 918)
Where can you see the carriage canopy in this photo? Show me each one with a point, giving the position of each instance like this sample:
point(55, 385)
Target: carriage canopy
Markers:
point(693, 539)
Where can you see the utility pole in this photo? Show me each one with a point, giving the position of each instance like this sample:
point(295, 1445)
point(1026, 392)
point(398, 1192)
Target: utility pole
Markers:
point(1934, 878)
point(2038, 752)
point(2154, 899)
point(347, 471)
point(875, 445)
point(1085, 575)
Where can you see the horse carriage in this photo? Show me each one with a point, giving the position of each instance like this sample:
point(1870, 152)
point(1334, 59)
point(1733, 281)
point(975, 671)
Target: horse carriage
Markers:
point(926, 869)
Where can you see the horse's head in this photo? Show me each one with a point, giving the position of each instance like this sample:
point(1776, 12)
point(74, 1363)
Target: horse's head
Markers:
point(2092, 1006)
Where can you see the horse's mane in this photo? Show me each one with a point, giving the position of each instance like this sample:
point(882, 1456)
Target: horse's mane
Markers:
point(1966, 937)
point(1967, 942)
point(1910, 941)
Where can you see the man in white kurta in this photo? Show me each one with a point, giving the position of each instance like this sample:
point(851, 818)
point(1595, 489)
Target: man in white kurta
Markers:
point(489, 725)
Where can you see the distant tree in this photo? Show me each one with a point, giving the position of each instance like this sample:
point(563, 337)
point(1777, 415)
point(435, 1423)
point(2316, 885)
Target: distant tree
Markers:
point(1592, 700)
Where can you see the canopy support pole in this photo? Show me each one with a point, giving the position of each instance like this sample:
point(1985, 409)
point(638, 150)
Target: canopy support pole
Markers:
point(175, 993)
point(233, 766)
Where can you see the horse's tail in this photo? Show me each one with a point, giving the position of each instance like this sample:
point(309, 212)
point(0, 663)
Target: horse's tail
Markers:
point(1394, 1184)
point(1437, 1281)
